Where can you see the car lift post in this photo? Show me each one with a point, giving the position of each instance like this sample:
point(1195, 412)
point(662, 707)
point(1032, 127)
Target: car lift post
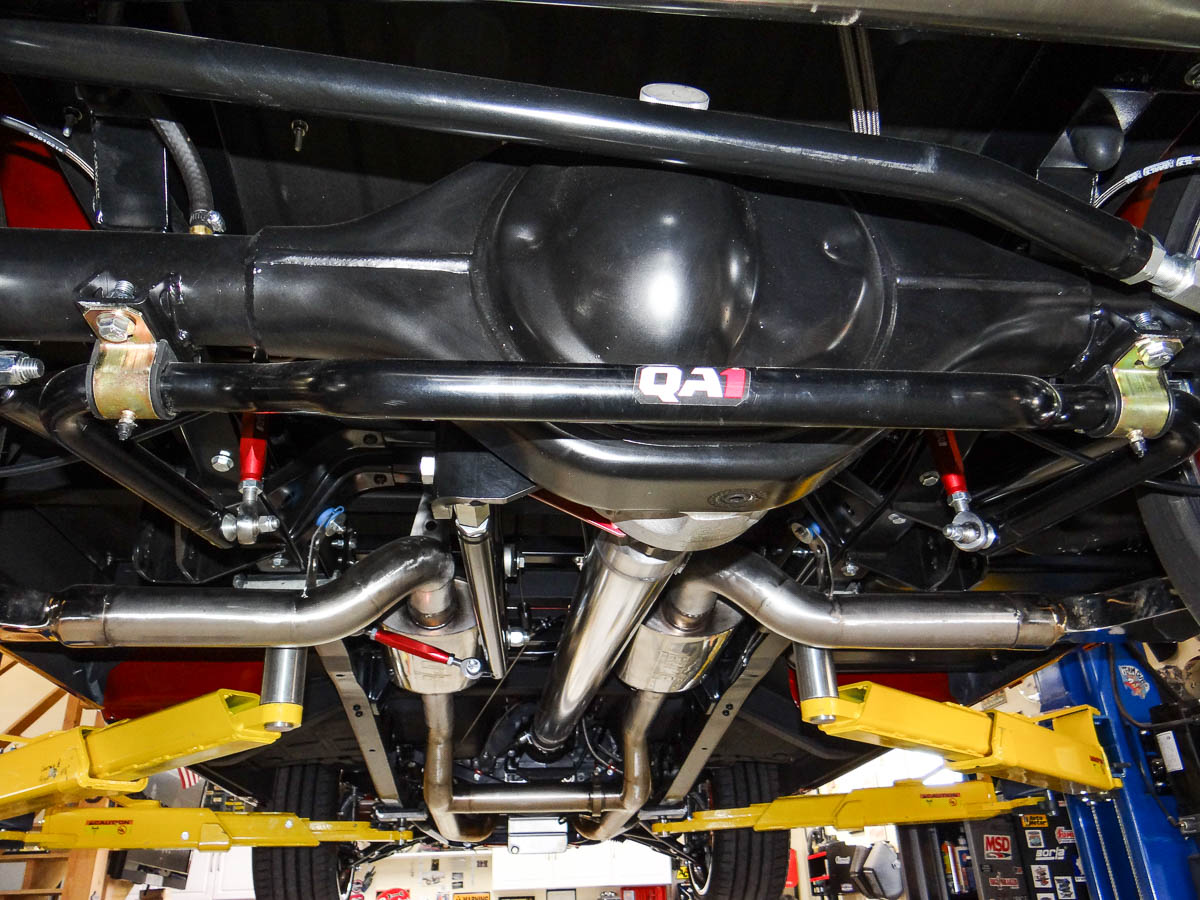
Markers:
point(1127, 846)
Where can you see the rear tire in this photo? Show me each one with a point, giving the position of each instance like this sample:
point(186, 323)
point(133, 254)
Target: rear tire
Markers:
point(1173, 523)
point(741, 864)
point(314, 873)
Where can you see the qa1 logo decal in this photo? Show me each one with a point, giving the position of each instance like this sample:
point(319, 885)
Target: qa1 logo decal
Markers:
point(698, 386)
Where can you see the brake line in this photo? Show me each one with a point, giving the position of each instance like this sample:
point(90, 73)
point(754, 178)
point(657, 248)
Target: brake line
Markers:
point(1166, 165)
point(49, 140)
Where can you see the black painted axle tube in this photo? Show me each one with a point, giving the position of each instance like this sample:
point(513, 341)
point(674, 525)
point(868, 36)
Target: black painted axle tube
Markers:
point(648, 395)
point(480, 107)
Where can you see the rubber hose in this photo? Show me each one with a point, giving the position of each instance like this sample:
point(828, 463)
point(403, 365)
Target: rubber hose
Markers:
point(191, 168)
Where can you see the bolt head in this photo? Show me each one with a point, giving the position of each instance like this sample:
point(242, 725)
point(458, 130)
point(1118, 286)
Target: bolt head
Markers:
point(929, 479)
point(222, 462)
point(114, 327)
point(278, 561)
point(850, 569)
point(897, 519)
point(1154, 353)
point(1192, 77)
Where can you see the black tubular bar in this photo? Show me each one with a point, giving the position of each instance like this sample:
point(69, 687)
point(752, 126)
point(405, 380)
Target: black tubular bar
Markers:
point(608, 394)
point(233, 72)
point(66, 417)
point(1080, 489)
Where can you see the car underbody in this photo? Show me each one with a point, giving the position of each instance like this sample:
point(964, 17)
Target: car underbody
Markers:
point(550, 445)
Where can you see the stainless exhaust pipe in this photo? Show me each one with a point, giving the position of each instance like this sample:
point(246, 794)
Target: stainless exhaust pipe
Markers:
point(643, 707)
point(620, 581)
point(918, 622)
point(116, 616)
point(534, 798)
point(439, 775)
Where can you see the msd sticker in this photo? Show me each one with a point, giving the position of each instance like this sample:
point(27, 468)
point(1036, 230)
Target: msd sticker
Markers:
point(997, 846)
point(695, 386)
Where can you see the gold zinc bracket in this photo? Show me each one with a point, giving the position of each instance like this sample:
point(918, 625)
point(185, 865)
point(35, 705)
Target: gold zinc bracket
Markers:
point(1140, 381)
point(125, 361)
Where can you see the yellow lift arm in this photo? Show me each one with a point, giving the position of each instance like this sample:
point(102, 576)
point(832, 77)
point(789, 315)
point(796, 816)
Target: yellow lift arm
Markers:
point(146, 825)
point(1059, 751)
point(68, 766)
point(904, 803)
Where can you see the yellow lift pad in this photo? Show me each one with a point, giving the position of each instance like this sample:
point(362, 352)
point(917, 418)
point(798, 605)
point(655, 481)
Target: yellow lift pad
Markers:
point(1059, 751)
point(68, 766)
point(904, 803)
point(146, 825)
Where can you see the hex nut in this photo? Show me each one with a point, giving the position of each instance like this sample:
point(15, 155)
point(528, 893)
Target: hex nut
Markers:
point(1154, 353)
point(222, 461)
point(114, 327)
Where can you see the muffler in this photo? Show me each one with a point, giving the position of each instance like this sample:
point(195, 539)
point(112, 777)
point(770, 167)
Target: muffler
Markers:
point(669, 653)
